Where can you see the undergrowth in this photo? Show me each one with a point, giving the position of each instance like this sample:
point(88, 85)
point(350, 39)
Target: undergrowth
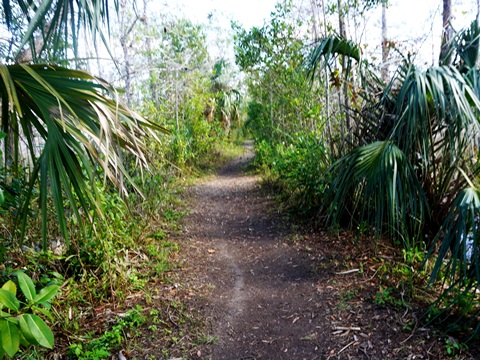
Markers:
point(115, 275)
point(295, 172)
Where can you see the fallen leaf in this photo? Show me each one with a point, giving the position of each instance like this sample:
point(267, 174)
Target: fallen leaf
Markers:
point(211, 251)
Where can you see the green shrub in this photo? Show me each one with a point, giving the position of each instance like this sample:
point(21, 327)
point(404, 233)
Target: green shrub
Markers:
point(19, 323)
point(297, 169)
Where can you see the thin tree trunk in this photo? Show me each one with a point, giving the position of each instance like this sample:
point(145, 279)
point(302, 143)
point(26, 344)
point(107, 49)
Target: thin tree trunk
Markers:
point(341, 19)
point(343, 34)
point(29, 54)
point(315, 32)
point(385, 47)
point(478, 11)
point(447, 33)
point(327, 90)
point(148, 44)
point(124, 45)
point(176, 100)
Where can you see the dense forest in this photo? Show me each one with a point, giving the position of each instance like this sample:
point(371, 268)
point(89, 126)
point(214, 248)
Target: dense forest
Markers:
point(110, 109)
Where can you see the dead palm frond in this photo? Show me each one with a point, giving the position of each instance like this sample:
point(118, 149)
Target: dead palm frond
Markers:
point(80, 130)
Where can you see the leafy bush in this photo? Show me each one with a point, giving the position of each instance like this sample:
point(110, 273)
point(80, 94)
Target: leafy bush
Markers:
point(19, 323)
point(297, 169)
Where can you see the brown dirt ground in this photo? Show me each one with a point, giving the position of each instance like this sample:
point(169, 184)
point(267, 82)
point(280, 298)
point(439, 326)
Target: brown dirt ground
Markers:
point(269, 290)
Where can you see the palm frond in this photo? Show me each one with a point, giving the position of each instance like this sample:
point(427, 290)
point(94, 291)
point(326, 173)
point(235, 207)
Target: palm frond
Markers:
point(467, 45)
point(429, 103)
point(458, 255)
point(432, 118)
point(376, 183)
point(329, 47)
point(59, 21)
point(82, 133)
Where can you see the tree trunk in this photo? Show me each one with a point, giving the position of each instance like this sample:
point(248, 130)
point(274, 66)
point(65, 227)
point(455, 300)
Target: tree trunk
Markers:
point(478, 11)
point(385, 44)
point(315, 32)
point(29, 54)
point(151, 71)
point(124, 43)
point(341, 19)
point(447, 34)
point(327, 90)
point(343, 34)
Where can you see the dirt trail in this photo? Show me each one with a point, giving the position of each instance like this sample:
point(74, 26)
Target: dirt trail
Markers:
point(268, 296)
point(263, 301)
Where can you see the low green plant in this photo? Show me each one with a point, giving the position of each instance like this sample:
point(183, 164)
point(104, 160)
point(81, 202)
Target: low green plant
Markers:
point(100, 348)
point(349, 294)
point(385, 296)
point(19, 323)
point(453, 347)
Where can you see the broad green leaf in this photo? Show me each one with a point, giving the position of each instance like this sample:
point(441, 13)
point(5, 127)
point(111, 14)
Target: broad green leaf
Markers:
point(9, 300)
point(46, 294)
point(10, 286)
point(10, 337)
point(25, 330)
point(43, 311)
point(23, 341)
point(3, 314)
point(47, 305)
point(13, 320)
point(26, 284)
point(34, 328)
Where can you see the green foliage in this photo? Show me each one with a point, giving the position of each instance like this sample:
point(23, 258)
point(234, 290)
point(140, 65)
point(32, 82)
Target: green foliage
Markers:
point(284, 113)
point(384, 297)
point(329, 47)
point(19, 323)
point(194, 143)
point(66, 123)
point(460, 226)
point(58, 23)
point(376, 183)
point(409, 165)
point(78, 128)
point(297, 169)
point(283, 100)
point(101, 347)
point(453, 347)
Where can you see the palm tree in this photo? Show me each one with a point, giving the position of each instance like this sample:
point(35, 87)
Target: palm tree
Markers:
point(76, 118)
point(412, 164)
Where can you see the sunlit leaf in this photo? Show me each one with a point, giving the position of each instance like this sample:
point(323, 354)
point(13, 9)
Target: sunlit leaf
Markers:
point(10, 286)
point(9, 300)
point(46, 294)
point(36, 331)
point(26, 285)
point(10, 337)
point(44, 311)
